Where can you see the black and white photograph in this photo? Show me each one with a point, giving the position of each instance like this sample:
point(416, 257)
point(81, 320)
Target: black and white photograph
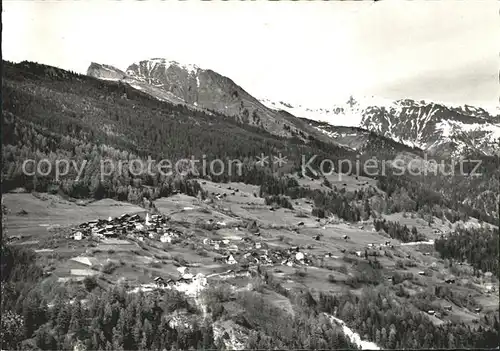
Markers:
point(250, 175)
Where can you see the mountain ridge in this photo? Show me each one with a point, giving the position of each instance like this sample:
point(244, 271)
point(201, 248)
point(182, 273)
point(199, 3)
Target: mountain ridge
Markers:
point(444, 130)
point(434, 127)
point(205, 89)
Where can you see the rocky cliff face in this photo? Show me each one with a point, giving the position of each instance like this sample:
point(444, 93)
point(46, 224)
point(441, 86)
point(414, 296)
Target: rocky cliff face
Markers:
point(436, 128)
point(433, 127)
point(204, 89)
point(105, 72)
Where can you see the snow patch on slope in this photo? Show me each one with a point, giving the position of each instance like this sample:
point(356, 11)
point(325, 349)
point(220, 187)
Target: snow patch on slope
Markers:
point(110, 79)
point(190, 68)
point(382, 116)
point(335, 135)
point(484, 137)
point(449, 128)
point(331, 116)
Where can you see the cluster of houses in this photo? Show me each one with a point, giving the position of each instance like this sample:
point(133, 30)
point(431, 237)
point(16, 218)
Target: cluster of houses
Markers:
point(256, 253)
point(154, 226)
point(370, 248)
point(185, 276)
point(290, 257)
point(220, 196)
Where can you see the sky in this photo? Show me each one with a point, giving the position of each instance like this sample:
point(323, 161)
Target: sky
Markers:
point(313, 53)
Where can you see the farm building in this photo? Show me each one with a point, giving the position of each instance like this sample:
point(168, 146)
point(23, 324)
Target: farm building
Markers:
point(230, 260)
point(78, 236)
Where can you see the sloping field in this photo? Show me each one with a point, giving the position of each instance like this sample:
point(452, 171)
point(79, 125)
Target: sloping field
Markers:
point(348, 182)
point(245, 191)
point(176, 203)
point(36, 215)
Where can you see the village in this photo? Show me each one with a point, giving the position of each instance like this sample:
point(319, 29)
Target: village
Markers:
point(188, 245)
point(245, 253)
point(241, 255)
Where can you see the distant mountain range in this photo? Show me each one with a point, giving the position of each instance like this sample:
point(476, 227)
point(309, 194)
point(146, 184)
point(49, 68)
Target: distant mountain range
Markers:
point(433, 127)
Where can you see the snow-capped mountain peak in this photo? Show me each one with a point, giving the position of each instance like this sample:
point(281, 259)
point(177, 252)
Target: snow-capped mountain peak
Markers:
point(437, 127)
point(146, 66)
point(335, 115)
point(198, 88)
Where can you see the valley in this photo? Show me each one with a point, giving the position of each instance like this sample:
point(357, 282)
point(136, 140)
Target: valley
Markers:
point(270, 257)
point(241, 243)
